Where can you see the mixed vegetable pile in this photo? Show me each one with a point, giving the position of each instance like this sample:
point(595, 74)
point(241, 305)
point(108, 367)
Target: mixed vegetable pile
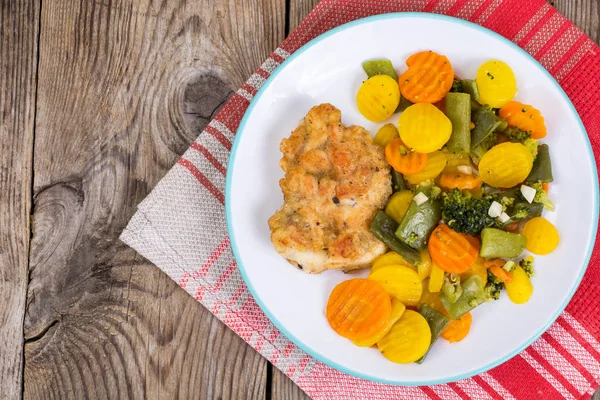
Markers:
point(470, 184)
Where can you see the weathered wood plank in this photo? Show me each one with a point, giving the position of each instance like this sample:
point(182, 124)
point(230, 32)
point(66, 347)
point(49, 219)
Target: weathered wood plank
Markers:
point(124, 87)
point(298, 10)
point(584, 13)
point(19, 24)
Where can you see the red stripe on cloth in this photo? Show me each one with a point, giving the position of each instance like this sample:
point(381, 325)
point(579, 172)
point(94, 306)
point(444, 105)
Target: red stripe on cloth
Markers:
point(202, 179)
point(480, 10)
point(277, 58)
point(527, 383)
point(569, 54)
point(215, 163)
point(557, 36)
point(456, 7)
point(458, 390)
point(510, 17)
point(214, 132)
point(553, 371)
point(429, 392)
point(264, 74)
point(537, 27)
point(486, 386)
point(571, 359)
point(232, 112)
point(584, 343)
point(430, 6)
point(214, 256)
point(250, 89)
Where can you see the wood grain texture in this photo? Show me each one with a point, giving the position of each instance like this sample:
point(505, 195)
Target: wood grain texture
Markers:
point(124, 87)
point(583, 13)
point(298, 9)
point(19, 22)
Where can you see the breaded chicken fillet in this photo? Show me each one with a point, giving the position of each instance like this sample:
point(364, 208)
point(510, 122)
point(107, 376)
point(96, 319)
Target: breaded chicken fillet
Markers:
point(335, 180)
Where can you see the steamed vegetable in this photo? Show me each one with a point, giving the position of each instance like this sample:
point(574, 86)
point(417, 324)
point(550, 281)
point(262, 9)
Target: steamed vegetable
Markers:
point(457, 107)
point(390, 258)
point(466, 214)
point(403, 159)
point(384, 227)
point(408, 340)
point(519, 289)
point(378, 98)
point(542, 167)
point(524, 117)
point(385, 135)
point(458, 329)
point(424, 128)
point(452, 251)
point(424, 267)
point(496, 243)
point(380, 67)
point(399, 281)
point(452, 288)
point(436, 162)
point(437, 323)
point(428, 78)
point(398, 204)
point(420, 219)
point(436, 278)
point(506, 165)
point(458, 180)
point(473, 295)
point(397, 310)
point(398, 182)
point(496, 82)
point(358, 308)
point(542, 236)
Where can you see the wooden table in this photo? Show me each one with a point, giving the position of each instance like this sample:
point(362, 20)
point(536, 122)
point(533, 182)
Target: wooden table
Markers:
point(97, 101)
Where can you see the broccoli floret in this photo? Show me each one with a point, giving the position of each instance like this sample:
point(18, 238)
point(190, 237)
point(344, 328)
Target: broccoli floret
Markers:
point(507, 202)
point(466, 214)
point(532, 146)
point(517, 135)
point(457, 86)
point(527, 265)
point(541, 196)
point(520, 214)
point(493, 286)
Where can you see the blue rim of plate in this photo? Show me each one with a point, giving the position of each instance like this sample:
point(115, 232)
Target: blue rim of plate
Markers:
point(240, 264)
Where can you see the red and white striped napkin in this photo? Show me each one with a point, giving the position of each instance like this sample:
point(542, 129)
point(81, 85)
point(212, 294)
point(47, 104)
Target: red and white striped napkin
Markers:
point(181, 228)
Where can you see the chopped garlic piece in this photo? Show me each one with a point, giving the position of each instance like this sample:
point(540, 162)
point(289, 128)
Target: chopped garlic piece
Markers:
point(503, 217)
point(495, 209)
point(420, 198)
point(528, 192)
point(465, 169)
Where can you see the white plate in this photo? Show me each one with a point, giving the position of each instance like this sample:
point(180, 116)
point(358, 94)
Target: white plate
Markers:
point(328, 69)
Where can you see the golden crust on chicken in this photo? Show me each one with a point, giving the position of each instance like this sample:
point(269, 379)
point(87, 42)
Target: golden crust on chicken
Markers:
point(335, 180)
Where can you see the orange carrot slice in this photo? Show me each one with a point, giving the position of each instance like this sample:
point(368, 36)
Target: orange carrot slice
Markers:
point(358, 308)
point(402, 159)
point(458, 329)
point(452, 251)
point(428, 79)
point(457, 180)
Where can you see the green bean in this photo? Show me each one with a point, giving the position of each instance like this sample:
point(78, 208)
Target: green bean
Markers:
point(419, 221)
point(473, 295)
point(470, 87)
point(486, 122)
point(496, 243)
point(542, 167)
point(452, 288)
point(523, 211)
point(380, 67)
point(383, 227)
point(437, 323)
point(398, 182)
point(404, 104)
point(457, 107)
